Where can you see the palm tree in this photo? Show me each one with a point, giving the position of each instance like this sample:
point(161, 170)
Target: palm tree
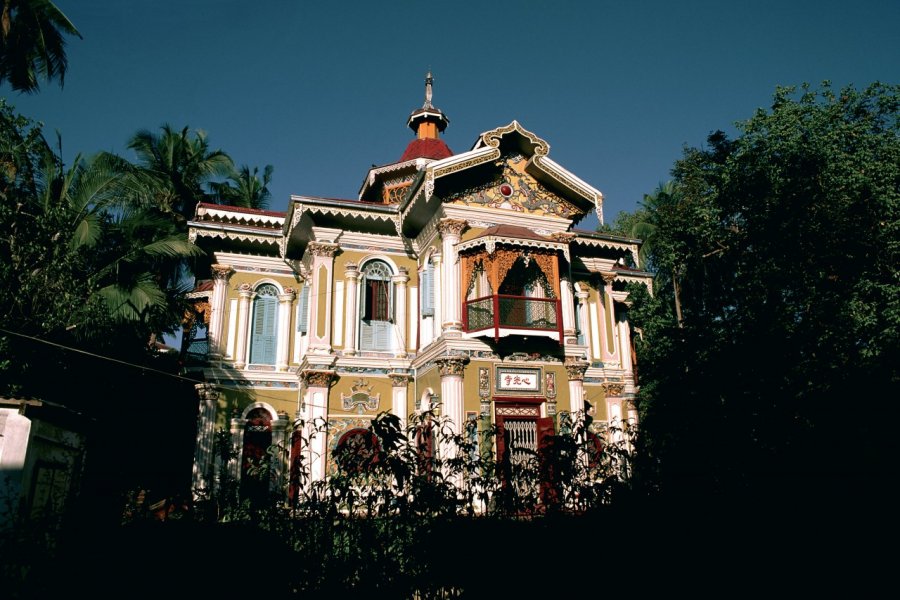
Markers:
point(181, 163)
point(245, 188)
point(136, 254)
point(32, 43)
point(652, 207)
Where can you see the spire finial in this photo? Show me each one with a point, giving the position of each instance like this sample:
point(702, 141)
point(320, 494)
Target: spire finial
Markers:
point(429, 80)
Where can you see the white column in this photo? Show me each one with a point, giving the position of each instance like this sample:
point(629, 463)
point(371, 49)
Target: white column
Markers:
point(568, 309)
point(452, 369)
point(320, 296)
point(438, 296)
point(203, 475)
point(245, 295)
point(221, 274)
point(575, 371)
point(450, 230)
point(351, 281)
point(317, 383)
point(399, 387)
point(401, 325)
point(285, 311)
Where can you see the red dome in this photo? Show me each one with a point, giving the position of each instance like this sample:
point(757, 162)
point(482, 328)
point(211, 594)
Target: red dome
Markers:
point(426, 148)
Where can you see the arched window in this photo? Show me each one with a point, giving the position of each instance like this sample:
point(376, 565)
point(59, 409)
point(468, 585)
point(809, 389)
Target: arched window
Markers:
point(375, 307)
point(357, 451)
point(262, 337)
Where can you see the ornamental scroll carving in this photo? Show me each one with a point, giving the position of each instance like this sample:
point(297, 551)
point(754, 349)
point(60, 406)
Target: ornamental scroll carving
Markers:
point(316, 378)
point(323, 249)
point(451, 365)
point(575, 369)
point(484, 382)
point(361, 398)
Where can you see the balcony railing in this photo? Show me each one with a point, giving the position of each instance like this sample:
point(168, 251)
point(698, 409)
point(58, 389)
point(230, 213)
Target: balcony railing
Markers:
point(501, 311)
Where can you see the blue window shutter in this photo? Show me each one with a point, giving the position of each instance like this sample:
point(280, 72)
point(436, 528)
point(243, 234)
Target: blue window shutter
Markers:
point(262, 341)
point(303, 311)
point(427, 290)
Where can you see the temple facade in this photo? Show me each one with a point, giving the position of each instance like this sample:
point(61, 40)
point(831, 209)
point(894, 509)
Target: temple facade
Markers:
point(453, 281)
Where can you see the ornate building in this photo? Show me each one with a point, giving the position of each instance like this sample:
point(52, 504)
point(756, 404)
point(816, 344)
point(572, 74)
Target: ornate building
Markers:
point(453, 280)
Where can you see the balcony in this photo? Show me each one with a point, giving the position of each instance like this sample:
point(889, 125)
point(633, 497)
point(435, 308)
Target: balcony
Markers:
point(502, 315)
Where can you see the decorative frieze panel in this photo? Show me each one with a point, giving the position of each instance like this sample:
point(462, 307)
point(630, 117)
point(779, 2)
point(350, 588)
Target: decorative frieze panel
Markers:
point(517, 411)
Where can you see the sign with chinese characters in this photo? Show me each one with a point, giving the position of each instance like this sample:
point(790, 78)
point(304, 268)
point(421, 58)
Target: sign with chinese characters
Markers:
point(518, 380)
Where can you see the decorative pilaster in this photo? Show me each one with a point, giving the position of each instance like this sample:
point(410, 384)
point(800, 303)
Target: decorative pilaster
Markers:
point(316, 383)
point(575, 370)
point(281, 440)
point(625, 341)
point(450, 230)
point(245, 295)
point(237, 444)
point(285, 302)
point(550, 393)
point(583, 317)
point(320, 300)
point(351, 283)
point(399, 387)
point(608, 323)
point(204, 449)
point(221, 274)
point(400, 326)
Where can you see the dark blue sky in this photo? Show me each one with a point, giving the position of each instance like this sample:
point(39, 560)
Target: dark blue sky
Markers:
point(322, 90)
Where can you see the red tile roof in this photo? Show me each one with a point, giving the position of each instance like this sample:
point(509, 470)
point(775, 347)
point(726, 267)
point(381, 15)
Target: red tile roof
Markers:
point(511, 231)
point(427, 148)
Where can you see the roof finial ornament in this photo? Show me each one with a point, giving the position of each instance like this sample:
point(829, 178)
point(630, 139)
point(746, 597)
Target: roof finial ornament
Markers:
point(429, 80)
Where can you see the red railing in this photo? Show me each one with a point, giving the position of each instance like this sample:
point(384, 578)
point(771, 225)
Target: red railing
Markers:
point(502, 311)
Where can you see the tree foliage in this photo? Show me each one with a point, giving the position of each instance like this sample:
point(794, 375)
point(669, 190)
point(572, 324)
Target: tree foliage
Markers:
point(779, 248)
point(32, 43)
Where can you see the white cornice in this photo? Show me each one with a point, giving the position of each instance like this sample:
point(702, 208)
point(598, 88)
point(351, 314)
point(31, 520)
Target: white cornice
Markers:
point(249, 262)
point(223, 213)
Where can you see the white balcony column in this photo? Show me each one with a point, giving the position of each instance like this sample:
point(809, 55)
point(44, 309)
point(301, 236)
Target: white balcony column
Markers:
point(320, 301)
point(285, 310)
point(351, 285)
point(221, 274)
point(575, 370)
point(400, 326)
point(399, 387)
point(314, 408)
point(245, 296)
point(204, 467)
point(450, 230)
point(567, 300)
